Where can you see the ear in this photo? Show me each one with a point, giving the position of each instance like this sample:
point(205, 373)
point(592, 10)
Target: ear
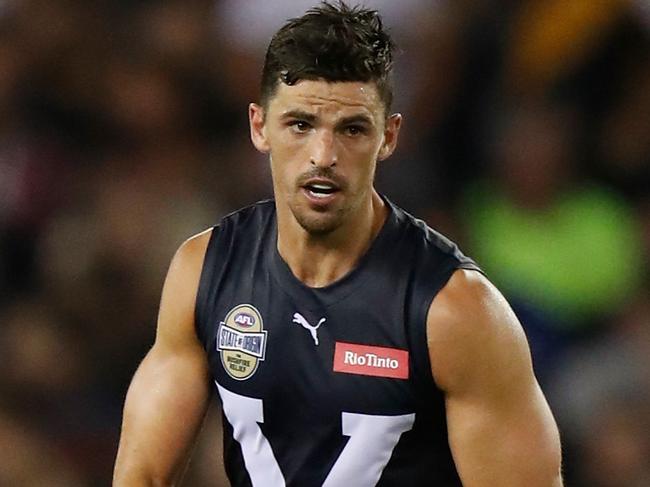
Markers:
point(258, 134)
point(391, 133)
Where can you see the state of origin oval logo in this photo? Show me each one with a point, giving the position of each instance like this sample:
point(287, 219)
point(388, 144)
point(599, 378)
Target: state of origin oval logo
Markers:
point(241, 341)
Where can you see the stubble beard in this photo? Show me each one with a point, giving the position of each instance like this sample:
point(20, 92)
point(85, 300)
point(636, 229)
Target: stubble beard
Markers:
point(317, 223)
point(321, 223)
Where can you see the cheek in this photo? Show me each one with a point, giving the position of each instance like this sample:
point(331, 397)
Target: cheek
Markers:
point(366, 150)
point(369, 171)
point(285, 168)
point(285, 148)
point(363, 162)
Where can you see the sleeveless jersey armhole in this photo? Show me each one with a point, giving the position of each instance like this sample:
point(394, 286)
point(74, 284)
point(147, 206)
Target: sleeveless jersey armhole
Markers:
point(435, 283)
point(202, 295)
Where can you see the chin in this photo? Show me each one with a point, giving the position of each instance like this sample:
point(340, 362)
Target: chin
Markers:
point(319, 224)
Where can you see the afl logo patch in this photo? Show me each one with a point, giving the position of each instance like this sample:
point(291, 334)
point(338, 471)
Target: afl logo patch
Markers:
point(241, 341)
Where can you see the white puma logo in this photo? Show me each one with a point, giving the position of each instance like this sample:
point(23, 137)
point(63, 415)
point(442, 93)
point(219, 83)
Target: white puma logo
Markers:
point(300, 319)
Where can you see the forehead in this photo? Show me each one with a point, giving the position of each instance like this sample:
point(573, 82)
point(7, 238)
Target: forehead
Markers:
point(328, 98)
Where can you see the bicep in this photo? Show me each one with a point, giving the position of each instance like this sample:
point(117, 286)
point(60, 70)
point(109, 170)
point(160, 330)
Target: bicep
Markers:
point(164, 408)
point(501, 431)
point(510, 441)
point(168, 395)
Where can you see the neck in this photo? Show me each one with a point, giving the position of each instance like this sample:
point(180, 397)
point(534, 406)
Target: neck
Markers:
point(320, 260)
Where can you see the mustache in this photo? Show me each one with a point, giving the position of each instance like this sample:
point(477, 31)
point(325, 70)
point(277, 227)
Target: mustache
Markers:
point(322, 172)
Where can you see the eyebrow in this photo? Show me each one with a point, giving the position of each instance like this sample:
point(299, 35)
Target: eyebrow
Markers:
point(363, 119)
point(300, 114)
point(310, 117)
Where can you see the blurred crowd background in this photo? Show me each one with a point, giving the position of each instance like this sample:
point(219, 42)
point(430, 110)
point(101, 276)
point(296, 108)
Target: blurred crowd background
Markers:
point(123, 130)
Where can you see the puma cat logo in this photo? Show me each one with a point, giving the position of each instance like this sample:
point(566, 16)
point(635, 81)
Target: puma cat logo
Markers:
point(313, 330)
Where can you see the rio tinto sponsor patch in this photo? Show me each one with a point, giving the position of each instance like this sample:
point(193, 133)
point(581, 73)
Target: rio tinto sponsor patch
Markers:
point(351, 358)
point(241, 341)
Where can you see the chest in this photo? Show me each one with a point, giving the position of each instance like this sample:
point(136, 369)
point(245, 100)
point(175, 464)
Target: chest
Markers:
point(351, 355)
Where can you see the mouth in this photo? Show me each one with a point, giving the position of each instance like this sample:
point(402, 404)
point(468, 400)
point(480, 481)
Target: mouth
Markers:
point(320, 190)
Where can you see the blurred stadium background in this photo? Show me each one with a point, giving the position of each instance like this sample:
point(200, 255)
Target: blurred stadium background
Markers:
point(123, 130)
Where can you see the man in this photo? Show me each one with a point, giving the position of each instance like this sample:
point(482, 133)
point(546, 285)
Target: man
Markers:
point(349, 344)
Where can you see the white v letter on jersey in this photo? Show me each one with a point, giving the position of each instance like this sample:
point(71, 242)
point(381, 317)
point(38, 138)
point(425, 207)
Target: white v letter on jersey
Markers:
point(372, 440)
point(300, 319)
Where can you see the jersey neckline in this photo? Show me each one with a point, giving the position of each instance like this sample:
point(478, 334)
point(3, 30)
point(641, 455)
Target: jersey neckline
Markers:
point(317, 297)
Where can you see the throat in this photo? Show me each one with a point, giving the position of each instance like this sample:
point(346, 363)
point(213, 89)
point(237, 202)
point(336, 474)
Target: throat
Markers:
point(321, 260)
point(318, 264)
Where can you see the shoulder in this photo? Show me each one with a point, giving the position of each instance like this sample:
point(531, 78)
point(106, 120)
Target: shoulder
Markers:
point(473, 335)
point(192, 251)
point(255, 213)
point(190, 254)
point(427, 245)
point(182, 282)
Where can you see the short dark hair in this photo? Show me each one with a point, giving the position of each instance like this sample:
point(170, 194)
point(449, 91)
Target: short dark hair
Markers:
point(334, 43)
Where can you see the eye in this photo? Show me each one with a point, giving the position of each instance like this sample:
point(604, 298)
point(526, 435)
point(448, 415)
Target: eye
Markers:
point(299, 126)
point(354, 130)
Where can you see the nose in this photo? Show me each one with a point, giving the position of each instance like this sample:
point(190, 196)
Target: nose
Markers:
point(323, 150)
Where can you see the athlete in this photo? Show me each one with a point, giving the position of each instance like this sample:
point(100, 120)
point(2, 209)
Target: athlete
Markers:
point(349, 344)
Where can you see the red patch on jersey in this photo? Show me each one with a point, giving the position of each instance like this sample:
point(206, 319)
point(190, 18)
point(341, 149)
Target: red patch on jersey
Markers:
point(351, 358)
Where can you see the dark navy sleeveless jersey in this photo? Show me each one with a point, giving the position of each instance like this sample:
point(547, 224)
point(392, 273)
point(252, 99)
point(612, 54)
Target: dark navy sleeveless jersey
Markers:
point(329, 386)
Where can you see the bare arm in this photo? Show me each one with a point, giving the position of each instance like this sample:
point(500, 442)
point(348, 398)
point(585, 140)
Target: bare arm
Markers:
point(168, 396)
point(501, 430)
